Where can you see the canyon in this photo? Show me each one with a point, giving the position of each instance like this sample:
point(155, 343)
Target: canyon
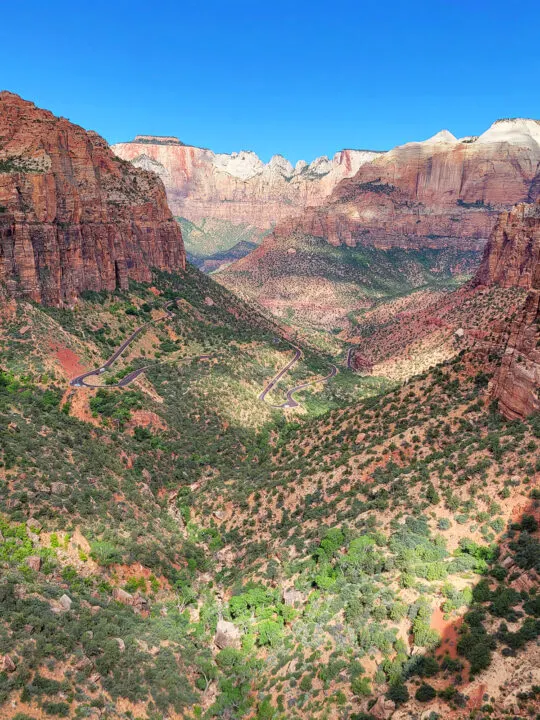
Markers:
point(238, 188)
point(179, 535)
point(73, 216)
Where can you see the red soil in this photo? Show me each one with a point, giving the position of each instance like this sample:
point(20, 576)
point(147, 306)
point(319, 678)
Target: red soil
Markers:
point(448, 630)
point(68, 360)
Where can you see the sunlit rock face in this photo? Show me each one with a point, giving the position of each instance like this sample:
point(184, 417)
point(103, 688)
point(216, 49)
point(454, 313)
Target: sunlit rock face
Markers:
point(439, 192)
point(74, 217)
point(512, 258)
point(239, 187)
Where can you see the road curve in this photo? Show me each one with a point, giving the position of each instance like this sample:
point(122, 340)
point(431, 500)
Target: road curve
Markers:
point(80, 380)
point(273, 382)
point(290, 401)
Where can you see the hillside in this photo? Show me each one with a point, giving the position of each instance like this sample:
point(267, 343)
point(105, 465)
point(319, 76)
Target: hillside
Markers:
point(309, 283)
point(186, 546)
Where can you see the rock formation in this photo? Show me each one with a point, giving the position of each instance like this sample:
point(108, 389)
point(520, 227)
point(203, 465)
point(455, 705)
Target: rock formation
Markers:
point(512, 258)
point(238, 188)
point(74, 217)
point(435, 193)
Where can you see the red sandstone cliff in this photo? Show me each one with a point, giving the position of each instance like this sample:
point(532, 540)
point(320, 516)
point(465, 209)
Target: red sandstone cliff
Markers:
point(73, 217)
point(435, 193)
point(238, 188)
point(512, 258)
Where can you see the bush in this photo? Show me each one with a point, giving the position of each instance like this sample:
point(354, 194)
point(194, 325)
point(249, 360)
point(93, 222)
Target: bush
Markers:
point(398, 692)
point(425, 693)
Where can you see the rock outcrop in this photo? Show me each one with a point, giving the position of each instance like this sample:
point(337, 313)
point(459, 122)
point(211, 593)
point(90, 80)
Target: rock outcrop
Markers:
point(512, 258)
point(239, 187)
point(435, 193)
point(74, 217)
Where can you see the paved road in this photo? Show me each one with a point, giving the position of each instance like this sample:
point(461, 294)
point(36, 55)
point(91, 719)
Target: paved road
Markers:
point(81, 380)
point(274, 381)
point(290, 401)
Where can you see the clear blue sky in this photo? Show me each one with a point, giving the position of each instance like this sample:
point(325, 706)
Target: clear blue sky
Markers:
point(283, 76)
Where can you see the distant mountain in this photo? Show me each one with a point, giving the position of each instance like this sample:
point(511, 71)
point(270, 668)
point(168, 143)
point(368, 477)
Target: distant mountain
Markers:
point(439, 194)
point(435, 193)
point(239, 188)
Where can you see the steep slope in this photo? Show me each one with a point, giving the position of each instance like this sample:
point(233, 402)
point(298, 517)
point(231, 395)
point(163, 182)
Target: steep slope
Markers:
point(238, 188)
point(512, 258)
point(439, 192)
point(178, 548)
point(310, 283)
point(73, 217)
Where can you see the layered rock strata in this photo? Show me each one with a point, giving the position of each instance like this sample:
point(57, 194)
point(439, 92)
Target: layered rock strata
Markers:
point(74, 217)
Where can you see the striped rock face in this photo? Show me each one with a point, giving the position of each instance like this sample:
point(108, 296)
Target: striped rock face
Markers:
point(73, 217)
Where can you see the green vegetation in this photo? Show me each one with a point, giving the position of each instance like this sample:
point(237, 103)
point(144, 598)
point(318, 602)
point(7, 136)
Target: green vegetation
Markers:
point(327, 538)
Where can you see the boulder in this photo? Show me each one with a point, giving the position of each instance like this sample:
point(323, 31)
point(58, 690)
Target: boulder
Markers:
point(122, 596)
point(34, 562)
point(292, 597)
point(383, 708)
point(65, 602)
point(8, 665)
point(33, 525)
point(121, 644)
point(83, 663)
point(227, 635)
point(58, 488)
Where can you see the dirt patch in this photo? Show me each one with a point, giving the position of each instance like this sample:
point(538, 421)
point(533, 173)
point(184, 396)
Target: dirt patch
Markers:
point(68, 360)
point(449, 632)
point(147, 419)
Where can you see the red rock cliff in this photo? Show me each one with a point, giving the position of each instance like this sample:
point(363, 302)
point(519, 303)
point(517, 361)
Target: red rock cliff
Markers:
point(512, 258)
point(435, 193)
point(74, 217)
point(238, 188)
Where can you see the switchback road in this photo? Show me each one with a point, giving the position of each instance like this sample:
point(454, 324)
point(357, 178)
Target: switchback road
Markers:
point(82, 380)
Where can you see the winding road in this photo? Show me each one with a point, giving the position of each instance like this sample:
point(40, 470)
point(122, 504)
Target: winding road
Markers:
point(81, 380)
point(290, 402)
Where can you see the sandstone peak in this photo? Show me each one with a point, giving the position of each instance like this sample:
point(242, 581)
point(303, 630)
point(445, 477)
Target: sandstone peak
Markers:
point(244, 164)
point(443, 136)
point(74, 218)
point(281, 164)
point(513, 131)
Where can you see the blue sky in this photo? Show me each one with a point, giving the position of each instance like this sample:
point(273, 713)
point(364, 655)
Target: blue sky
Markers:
point(292, 77)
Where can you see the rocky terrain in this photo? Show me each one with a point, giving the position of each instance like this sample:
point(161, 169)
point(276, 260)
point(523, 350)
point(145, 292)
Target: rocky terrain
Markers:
point(435, 193)
point(239, 189)
point(512, 258)
point(73, 217)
